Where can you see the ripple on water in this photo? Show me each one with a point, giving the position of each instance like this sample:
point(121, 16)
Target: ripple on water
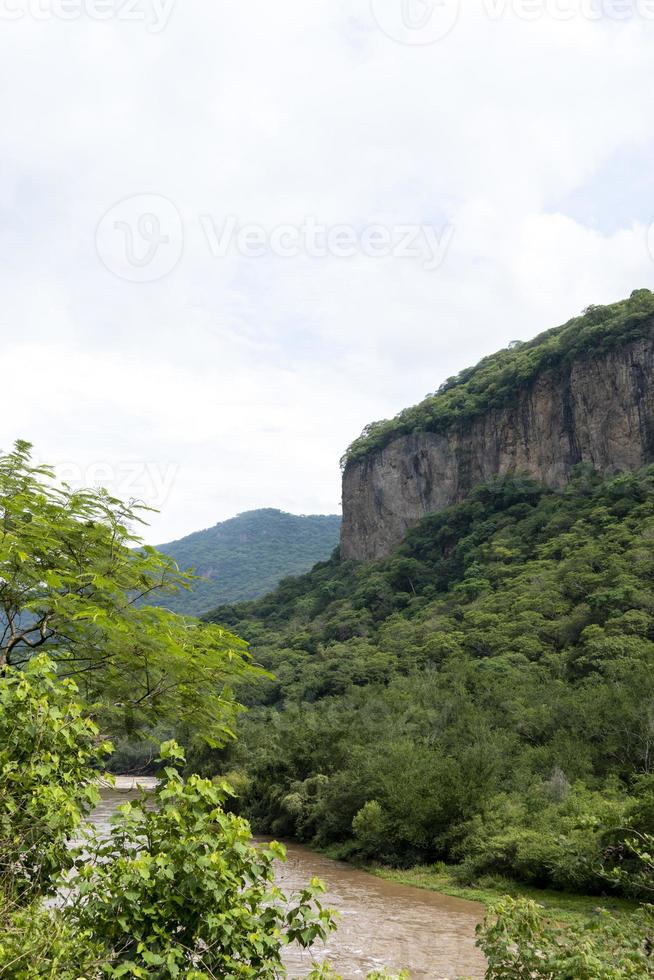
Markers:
point(381, 923)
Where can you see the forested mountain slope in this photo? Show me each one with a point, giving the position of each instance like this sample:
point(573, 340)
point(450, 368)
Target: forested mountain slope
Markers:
point(581, 393)
point(247, 556)
point(484, 696)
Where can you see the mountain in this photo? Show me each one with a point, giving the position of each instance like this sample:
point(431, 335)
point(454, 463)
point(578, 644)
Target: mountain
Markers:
point(484, 696)
point(247, 556)
point(581, 393)
point(483, 693)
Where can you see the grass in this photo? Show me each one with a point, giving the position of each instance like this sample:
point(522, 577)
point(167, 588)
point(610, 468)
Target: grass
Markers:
point(564, 906)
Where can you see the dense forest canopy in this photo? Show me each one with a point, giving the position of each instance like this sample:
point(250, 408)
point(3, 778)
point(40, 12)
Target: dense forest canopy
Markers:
point(495, 379)
point(247, 556)
point(485, 696)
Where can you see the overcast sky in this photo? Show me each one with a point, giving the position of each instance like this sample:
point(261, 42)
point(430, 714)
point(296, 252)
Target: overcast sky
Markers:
point(233, 233)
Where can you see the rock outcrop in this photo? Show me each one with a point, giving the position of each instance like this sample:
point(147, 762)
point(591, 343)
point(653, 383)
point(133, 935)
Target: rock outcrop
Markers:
point(598, 409)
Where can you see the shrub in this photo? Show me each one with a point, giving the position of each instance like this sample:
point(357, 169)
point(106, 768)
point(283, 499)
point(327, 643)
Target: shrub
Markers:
point(369, 827)
point(48, 751)
point(521, 943)
point(180, 889)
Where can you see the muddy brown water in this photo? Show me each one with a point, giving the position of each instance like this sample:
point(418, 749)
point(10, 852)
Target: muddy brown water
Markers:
point(381, 923)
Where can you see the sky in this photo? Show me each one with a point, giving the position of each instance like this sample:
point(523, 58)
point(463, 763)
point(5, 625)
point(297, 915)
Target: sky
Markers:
point(232, 234)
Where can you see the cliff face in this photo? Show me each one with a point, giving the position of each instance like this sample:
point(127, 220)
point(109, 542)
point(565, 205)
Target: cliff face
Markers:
point(597, 410)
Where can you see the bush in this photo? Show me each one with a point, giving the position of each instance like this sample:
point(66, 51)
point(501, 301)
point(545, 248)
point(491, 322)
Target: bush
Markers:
point(369, 827)
point(521, 943)
point(178, 889)
point(556, 844)
point(181, 890)
point(48, 751)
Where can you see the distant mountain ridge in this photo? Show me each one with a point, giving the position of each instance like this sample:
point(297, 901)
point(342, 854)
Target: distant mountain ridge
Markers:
point(247, 556)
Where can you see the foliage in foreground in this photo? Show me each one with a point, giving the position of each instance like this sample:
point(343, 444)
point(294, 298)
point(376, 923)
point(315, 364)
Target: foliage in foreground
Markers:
point(73, 579)
point(180, 888)
point(521, 944)
point(176, 890)
point(47, 781)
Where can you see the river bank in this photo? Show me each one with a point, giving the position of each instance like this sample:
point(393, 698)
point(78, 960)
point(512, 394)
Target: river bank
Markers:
point(380, 922)
point(421, 919)
point(563, 906)
point(439, 878)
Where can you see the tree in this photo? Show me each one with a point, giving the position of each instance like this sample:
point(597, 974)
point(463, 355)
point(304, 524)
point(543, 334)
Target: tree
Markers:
point(177, 890)
point(47, 780)
point(74, 578)
point(180, 889)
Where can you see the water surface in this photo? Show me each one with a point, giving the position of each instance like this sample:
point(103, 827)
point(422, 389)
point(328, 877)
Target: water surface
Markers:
point(381, 923)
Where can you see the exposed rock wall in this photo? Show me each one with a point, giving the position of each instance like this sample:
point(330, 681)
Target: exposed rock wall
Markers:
point(598, 410)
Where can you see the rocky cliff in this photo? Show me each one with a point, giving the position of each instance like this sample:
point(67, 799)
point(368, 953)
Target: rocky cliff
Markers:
point(596, 407)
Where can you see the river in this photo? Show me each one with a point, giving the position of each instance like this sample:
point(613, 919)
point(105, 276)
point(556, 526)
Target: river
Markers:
point(381, 923)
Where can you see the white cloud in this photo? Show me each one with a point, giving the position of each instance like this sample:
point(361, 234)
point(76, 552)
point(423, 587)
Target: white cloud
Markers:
point(250, 376)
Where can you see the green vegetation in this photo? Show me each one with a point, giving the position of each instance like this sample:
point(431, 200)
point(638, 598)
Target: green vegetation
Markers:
point(72, 573)
point(484, 697)
point(175, 891)
point(561, 907)
point(178, 890)
point(494, 381)
point(482, 703)
point(181, 889)
point(47, 751)
point(519, 941)
point(247, 556)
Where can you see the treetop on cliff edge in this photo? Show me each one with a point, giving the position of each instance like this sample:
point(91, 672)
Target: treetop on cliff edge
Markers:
point(495, 379)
